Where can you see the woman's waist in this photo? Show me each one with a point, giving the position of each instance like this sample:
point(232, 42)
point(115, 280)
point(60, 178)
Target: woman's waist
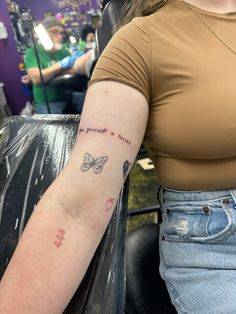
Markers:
point(196, 175)
point(173, 195)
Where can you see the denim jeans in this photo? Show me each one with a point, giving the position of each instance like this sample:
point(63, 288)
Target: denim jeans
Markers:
point(198, 250)
point(57, 107)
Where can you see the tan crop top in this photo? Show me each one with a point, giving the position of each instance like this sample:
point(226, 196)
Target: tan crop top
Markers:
point(189, 79)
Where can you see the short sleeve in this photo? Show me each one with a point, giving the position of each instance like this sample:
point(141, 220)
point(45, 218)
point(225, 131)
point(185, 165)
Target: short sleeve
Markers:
point(127, 58)
point(30, 59)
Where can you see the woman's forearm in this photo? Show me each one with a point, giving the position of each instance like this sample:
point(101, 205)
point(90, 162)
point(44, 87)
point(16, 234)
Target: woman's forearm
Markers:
point(49, 262)
point(69, 221)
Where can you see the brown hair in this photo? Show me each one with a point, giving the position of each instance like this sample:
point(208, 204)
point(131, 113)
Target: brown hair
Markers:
point(135, 8)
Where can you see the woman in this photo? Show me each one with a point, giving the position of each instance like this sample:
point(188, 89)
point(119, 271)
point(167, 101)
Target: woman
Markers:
point(169, 78)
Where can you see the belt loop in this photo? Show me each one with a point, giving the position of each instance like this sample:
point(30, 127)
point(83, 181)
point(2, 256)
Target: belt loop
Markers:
point(233, 194)
point(160, 198)
point(159, 203)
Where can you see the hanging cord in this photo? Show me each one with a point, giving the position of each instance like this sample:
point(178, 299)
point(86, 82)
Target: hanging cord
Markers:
point(39, 66)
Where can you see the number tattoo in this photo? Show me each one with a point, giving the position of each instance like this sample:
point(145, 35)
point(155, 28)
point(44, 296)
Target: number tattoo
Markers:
point(109, 204)
point(60, 237)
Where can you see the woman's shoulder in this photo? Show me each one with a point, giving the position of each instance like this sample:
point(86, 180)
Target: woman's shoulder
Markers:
point(144, 23)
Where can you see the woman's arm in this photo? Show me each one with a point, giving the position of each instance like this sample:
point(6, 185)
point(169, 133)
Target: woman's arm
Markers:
point(67, 225)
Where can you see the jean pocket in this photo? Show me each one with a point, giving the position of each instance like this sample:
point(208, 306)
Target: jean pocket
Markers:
point(197, 222)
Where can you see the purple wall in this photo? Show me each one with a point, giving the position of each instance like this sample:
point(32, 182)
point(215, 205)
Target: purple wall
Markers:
point(9, 61)
point(40, 7)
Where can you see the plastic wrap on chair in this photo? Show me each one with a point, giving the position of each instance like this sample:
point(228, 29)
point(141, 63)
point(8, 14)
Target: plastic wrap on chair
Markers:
point(33, 151)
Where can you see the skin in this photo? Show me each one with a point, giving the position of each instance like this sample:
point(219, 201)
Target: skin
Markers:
point(56, 34)
point(90, 38)
point(80, 63)
point(218, 6)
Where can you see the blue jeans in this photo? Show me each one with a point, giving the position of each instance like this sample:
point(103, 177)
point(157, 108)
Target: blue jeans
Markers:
point(57, 107)
point(198, 250)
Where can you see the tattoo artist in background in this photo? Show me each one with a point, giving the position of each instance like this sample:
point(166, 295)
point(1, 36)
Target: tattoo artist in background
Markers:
point(53, 62)
point(168, 76)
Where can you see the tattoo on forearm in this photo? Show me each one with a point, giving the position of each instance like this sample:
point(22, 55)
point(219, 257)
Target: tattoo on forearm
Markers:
point(94, 163)
point(60, 237)
point(104, 131)
point(109, 203)
point(126, 167)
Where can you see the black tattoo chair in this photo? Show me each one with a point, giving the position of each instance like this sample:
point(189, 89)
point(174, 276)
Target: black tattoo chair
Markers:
point(146, 292)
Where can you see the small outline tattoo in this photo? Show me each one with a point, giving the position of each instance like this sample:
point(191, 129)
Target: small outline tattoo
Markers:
point(60, 237)
point(126, 167)
point(109, 204)
point(95, 163)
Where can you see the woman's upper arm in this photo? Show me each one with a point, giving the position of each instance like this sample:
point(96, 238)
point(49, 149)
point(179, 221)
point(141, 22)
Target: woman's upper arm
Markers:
point(114, 115)
point(110, 133)
point(112, 127)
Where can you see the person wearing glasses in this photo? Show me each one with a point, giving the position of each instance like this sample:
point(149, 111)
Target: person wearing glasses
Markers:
point(53, 62)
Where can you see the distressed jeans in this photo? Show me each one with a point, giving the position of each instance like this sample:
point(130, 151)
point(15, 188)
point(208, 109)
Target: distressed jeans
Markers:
point(198, 250)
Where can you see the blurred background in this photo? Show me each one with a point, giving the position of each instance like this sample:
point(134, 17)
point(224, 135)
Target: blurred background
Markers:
point(15, 39)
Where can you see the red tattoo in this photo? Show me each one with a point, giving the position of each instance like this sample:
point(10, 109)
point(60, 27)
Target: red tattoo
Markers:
point(60, 237)
point(109, 204)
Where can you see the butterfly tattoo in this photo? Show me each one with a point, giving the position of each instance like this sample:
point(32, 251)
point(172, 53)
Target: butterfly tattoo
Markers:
point(94, 163)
